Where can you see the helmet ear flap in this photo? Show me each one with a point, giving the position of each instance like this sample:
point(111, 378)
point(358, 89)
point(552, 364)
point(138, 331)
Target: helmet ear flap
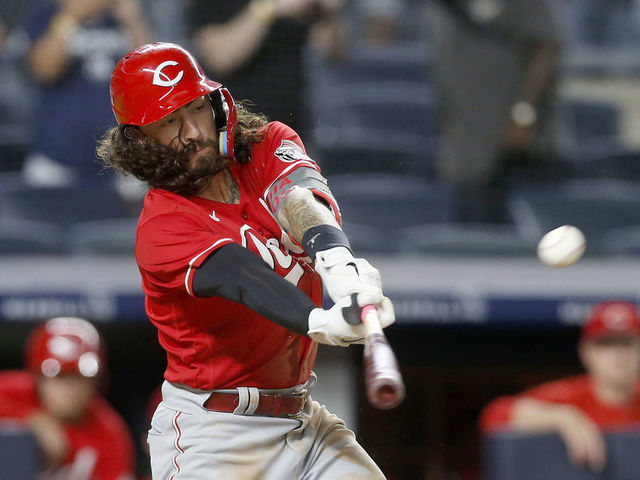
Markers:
point(219, 111)
point(225, 117)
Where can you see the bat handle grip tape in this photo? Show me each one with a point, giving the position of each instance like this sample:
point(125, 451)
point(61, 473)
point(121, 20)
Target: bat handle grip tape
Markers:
point(370, 320)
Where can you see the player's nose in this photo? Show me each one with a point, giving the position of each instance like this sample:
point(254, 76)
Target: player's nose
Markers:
point(190, 131)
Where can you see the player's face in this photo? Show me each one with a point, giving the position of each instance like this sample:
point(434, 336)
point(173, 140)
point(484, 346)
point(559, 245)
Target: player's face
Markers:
point(191, 128)
point(614, 361)
point(66, 397)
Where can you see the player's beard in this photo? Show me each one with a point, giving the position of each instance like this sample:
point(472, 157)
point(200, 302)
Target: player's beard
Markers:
point(205, 167)
point(165, 167)
point(209, 164)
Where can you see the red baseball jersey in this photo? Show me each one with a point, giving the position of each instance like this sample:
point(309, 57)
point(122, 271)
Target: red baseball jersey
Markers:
point(576, 391)
point(213, 342)
point(101, 447)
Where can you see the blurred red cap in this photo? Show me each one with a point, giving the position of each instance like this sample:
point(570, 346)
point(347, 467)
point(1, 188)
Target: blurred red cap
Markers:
point(65, 345)
point(612, 319)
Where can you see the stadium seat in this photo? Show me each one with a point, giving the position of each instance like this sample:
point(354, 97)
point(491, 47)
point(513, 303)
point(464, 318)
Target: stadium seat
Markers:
point(453, 239)
point(511, 456)
point(377, 206)
point(104, 237)
point(402, 107)
point(20, 455)
point(33, 238)
point(405, 61)
point(355, 150)
point(596, 206)
point(591, 126)
point(384, 63)
point(62, 206)
point(617, 162)
point(623, 241)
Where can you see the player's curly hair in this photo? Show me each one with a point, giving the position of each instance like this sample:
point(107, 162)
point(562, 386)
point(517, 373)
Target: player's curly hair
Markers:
point(126, 150)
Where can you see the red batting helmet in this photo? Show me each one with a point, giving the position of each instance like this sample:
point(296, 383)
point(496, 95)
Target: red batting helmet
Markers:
point(154, 80)
point(65, 345)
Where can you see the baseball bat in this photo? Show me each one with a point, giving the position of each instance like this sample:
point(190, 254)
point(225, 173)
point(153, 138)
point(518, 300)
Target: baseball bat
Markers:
point(383, 381)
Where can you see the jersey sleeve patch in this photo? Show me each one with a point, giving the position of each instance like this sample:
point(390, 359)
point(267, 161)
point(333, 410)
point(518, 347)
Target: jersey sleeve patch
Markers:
point(290, 151)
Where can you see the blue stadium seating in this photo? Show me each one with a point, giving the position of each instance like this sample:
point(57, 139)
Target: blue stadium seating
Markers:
point(354, 150)
point(367, 63)
point(395, 107)
point(62, 206)
point(377, 206)
point(103, 237)
point(616, 162)
point(467, 239)
point(590, 126)
point(622, 241)
point(33, 238)
point(517, 456)
point(596, 206)
point(19, 453)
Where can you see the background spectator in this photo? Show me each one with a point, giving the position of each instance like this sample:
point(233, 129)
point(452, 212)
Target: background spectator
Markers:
point(74, 47)
point(255, 48)
point(57, 397)
point(579, 408)
point(495, 66)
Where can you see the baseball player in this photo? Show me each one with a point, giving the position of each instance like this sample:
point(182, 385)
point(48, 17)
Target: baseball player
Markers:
point(238, 234)
point(581, 408)
point(81, 436)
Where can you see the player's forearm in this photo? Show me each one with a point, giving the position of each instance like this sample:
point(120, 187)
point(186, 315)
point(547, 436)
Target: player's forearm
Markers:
point(49, 58)
point(131, 18)
point(138, 32)
point(529, 415)
point(235, 273)
point(541, 72)
point(301, 210)
point(226, 48)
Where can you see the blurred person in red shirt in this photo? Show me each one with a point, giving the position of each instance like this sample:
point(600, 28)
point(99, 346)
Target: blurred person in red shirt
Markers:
point(80, 435)
point(580, 408)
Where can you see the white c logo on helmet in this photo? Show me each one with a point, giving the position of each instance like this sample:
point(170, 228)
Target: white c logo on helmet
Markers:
point(162, 79)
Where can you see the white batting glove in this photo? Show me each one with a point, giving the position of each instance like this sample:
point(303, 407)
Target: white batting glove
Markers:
point(343, 274)
point(341, 325)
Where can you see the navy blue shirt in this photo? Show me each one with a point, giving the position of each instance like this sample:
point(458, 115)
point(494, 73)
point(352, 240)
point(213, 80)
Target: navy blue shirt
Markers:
point(72, 113)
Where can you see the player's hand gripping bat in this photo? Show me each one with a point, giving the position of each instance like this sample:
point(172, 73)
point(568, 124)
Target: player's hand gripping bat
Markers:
point(383, 381)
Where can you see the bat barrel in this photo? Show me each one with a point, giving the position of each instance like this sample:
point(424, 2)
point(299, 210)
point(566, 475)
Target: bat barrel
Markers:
point(384, 386)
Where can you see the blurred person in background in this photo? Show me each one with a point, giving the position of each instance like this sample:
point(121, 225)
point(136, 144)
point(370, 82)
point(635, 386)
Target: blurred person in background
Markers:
point(495, 65)
point(255, 47)
point(580, 408)
point(74, 45)
point(80, 435)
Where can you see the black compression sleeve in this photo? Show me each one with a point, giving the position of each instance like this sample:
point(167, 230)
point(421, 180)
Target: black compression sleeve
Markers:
point(237, 274)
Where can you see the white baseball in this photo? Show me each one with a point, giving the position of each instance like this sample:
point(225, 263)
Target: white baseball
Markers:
point(562, 246)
